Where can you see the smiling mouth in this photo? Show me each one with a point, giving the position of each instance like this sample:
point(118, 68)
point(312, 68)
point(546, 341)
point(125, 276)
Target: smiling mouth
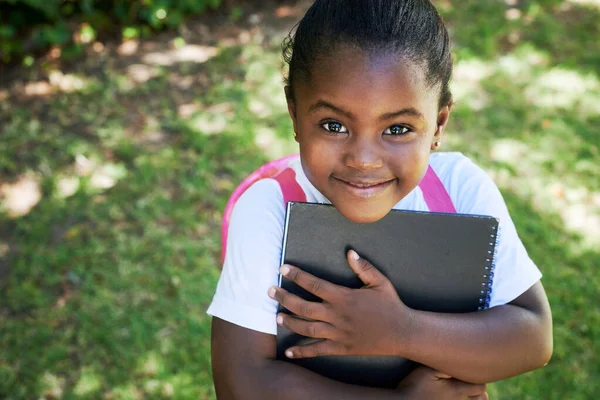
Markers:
point(365, 189)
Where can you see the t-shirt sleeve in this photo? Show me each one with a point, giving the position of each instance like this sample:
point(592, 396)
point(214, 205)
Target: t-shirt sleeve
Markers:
point(514, 271)
point(252, 260)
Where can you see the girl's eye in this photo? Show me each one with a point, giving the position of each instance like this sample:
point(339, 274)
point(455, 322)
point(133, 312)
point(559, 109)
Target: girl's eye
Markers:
point(396, 130)
point(334, 127)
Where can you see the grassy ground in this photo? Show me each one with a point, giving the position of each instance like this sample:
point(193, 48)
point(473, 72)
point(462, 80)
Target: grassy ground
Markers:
point(129, 156)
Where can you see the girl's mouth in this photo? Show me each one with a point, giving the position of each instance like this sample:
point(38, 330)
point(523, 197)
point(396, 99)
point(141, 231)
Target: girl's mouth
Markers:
point(365, 189)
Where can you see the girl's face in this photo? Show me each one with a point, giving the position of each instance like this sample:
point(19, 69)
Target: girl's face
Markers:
point(366, 125)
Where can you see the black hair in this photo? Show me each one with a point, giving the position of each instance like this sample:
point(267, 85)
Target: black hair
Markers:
point(411, 28)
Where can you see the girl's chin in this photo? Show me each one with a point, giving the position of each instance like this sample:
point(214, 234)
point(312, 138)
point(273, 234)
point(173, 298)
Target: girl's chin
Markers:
point(363, 215)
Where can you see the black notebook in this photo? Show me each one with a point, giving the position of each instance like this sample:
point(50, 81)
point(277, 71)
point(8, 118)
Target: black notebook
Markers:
point(437, 262)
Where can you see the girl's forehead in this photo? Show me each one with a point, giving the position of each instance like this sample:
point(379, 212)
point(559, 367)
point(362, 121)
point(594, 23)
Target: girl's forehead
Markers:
point(373, 77)
point(352, 62)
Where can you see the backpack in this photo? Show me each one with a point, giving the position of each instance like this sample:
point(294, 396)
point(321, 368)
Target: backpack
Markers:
point(435, 194)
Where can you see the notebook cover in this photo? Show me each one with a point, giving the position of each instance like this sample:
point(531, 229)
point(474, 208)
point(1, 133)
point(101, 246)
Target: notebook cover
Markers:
point(437, 262)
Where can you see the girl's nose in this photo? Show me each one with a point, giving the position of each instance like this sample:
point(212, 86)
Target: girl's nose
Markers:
point(363, 156)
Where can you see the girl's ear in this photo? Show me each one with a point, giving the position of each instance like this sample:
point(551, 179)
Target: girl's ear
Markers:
point(291, 104)
point(442, 121)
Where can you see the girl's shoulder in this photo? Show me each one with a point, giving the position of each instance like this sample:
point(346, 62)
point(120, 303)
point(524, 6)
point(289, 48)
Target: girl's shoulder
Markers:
point(454, 168)
point(271, 184)
point(263, 196)
point(258, 214)
point(454, 163)
point(467, 183)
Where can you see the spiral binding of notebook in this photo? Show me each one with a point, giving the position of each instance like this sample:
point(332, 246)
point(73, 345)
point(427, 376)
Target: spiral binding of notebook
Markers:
point(490, 267)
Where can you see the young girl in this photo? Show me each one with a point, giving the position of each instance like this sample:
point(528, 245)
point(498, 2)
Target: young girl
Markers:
point(368, 95)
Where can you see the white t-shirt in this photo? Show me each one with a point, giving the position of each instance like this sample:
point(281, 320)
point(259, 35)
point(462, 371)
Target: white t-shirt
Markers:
point(254, 242)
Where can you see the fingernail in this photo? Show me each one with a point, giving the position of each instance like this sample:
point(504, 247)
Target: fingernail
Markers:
point(289, 354)
point(284, 270)
point(354, 255)
point(279, 319)
point(272, 292)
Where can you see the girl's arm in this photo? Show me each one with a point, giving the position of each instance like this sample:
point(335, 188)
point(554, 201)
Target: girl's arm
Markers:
point(479, 347)
point(244, 367)
point(486, 346)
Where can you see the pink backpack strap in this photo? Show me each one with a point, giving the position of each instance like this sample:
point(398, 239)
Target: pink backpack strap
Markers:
point(292, 191)
point(435, 194)
point(278, 170)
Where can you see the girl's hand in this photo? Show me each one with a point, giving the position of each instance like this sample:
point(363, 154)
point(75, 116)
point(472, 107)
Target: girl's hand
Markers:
point(366, 322)
point(426, 383)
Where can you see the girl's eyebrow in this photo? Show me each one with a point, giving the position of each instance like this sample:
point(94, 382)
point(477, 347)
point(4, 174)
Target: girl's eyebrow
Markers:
point(410, 111)
point(321, 104)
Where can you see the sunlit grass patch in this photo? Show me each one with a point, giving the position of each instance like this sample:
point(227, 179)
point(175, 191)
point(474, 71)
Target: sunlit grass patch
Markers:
point(516, 116)
point(89, 382)
point(559, 89)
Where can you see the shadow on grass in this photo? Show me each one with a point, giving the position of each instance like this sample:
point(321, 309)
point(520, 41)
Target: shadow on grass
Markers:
point(112, 270)
point(120, 95)
point(109, 291)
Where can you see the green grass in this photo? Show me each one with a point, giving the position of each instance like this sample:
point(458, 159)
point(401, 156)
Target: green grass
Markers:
point(103, 291)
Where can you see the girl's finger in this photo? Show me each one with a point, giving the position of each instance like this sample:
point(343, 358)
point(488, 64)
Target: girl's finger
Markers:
point(440, 375)
point(480, 397)
point(469, 389)
point(322, 348)
point(312, 329)
point(299, 306)
point(367, 273)
point(319, 287)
